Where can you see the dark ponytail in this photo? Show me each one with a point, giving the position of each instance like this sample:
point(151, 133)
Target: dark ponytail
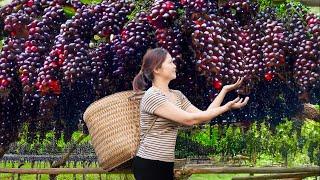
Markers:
point(151, 60)
point(139, 83)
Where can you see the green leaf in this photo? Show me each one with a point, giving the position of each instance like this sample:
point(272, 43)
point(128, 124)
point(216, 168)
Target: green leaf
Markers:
point(91, 1)
point(1, 42)
point(96, 37)
point(181, 11)
point(76, 135)
point(233, 11)
point(69, 11)
point(4, 2)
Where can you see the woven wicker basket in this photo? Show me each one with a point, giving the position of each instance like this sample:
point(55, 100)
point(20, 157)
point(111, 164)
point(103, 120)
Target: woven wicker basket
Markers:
point(113, 123)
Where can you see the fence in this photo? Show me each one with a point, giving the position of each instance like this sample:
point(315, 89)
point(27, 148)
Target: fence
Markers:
point(183, 168)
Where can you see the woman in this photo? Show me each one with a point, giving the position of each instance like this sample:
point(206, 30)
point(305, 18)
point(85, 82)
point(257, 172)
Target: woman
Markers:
point(163, 110)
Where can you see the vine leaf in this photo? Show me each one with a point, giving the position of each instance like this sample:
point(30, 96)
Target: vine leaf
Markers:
point(69, 11)
point(91, 1)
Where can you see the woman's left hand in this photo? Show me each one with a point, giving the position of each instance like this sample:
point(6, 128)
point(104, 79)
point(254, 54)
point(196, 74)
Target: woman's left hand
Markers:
point(234, 86)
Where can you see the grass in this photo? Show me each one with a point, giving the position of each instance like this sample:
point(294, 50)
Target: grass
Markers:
point(118, 177)
point(8, 176)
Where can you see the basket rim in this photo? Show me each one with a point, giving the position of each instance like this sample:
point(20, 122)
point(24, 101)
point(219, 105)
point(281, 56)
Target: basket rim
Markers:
point(106, 97)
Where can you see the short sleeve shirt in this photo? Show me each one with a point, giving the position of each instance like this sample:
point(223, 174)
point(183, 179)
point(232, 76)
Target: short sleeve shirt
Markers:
point(159, 143)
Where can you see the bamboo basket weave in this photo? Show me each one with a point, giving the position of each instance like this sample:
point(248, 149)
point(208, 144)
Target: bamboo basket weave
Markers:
point(113, 123)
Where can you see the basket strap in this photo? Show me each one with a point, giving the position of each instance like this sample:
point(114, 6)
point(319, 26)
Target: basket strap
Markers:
point(136, 95)
point(144, 135)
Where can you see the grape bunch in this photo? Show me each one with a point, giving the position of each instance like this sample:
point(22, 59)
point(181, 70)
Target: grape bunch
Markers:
point(314, 30)
point(41, 35)
point(200, 6)
point(208, 42)
point(112, 16)
point(242, 57)
point(303, 49)
point(10, 91)
point(234, 56)
point(49, 74)
point(273, 48)
point(20, 13)
point(76, 64)
point(163, 13)
point(242, 11)
point(15, 24)
point(252, 59)
point(297, 32)
point(14, 6)
point(100, 64)
point(171, 39)
point(8, 64)
point(67, 54)
point(130, 45)
point(8, 9)
point(307, 65)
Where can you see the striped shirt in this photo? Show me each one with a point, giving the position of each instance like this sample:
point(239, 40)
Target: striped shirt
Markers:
point(159, 143)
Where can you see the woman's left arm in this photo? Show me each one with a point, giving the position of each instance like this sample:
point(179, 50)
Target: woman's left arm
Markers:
point(225, 89)
point(218, 100)
point(191, 108)
point(216, 103)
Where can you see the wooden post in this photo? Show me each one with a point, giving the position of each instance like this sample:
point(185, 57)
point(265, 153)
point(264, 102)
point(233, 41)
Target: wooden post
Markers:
point(100, 177)
point(52, 176)
point(37, 165)
point(83, 175)
point(74, 166)
point(12, 165)
point(20, 164)
point(41, 166)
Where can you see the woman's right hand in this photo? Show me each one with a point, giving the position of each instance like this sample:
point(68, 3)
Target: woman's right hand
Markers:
point(237, 103)
point(234, 86)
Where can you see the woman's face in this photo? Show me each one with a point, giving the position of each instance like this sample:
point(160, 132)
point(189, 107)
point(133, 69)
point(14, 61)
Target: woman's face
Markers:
point(168, 68)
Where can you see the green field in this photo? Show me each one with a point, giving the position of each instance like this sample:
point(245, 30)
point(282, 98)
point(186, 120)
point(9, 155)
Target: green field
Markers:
point(116, 177)
point(8, 176)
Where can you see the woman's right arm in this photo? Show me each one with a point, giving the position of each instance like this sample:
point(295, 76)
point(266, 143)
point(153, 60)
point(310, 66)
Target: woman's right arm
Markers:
point(170, 111)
